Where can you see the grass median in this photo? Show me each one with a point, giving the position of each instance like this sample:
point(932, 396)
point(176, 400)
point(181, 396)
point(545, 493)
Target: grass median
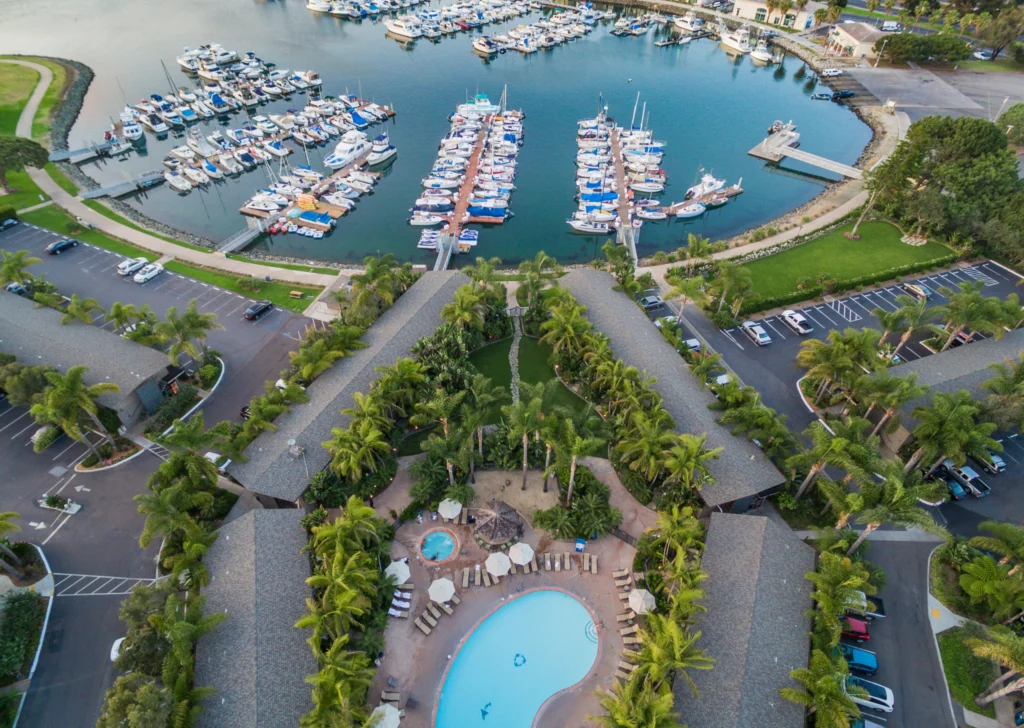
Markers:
point(287, 266)
point(16, 84)
point(967, 674)
point(878, 249)
point(278, 293)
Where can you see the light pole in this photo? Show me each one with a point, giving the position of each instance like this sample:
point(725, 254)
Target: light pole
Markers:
point(880, 52)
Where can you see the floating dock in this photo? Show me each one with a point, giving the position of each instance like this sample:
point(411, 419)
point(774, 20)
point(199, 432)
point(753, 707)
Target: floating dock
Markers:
point(784, 142)
point(119, 189)
point(626, 233)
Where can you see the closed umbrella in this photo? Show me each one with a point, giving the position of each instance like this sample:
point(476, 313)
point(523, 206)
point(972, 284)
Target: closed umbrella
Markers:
point(641, 601)
point(385, 715)
point(449, 509)
point(520, 553)
point(399, 570)
point(498, 564)
point(441, 590)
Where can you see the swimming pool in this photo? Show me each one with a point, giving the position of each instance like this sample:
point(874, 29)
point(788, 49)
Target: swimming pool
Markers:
point(438, 545)
point(529, 649)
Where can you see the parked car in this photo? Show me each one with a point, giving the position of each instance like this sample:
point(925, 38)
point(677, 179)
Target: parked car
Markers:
point(756, 333)
point(59, 246)
point(891, 26)
point(855, 628)
point(860, 660)
point(821, 96)
point(258, 310)
point(844, 94)
point(869, 607)
point(148, 273)
point(956, 491)
point(878, 697)
point(691, 345)
point(670, 321)
point(992, 463)
point(968, 478)
point(129, 266)
point(982, 55)
point(831, 72)
point(649, 302)
point(797, 321)
point(18, 289)
point(919, 290)
point(9, 222)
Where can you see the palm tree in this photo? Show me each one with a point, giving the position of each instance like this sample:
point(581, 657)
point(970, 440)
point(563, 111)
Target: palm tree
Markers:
point(634, 703)
point(822, 692)
point(13, 265)
point(1007, 388)
point(611, 375)
point(646, 444)
point(680, 532)
point(191, 436)
point(523, 417)
point(186, 565)
point(377, 284)
point(890, 393)
point(448, 449)
point(398, 385)
point(843, 445)
point(772, 6)
point(367, 409)
point(1004, 539)
point(483, 395)
point(10, 563)
point(838, 582)
point(872, 7)
point(988, 583)
point(890, 320)
point(483, 271)
point(669, 651)
point(845, 502)
point(896, 500)
point(949, 429)
point(122, 314)
point(68, 400)
point(357, 448)
point(312, 360)
point(698, 249)
point(80, 309)
point(914, 315)
point(575, 439)
point(200, 324)
point(534, 271)
point(1005, 648)
point(820, 15)
point(166, 513)
point(762, 424)
point(176, 329)
point(784, 7)
point(967, 310)
point(565, 330)
point(731, 277)
point(465, 309)
point(826, 361)
point(689, 289)
point(686, 461)
point(441, 408)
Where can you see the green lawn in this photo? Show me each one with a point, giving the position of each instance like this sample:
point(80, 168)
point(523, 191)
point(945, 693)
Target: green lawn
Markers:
point(1005, 62)
point(966, 674)
point(25, 194)
point(41, 124)
point(63, 182)
point(16, 84)
point(276, 292)
point(878, 249)
point(54, 218)
point(110, 214)
point(288, 266)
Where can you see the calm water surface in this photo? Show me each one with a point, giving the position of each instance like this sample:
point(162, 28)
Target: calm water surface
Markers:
point(709, 106)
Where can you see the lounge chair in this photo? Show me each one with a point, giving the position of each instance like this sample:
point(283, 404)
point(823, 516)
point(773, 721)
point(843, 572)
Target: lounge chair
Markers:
point(428, 618)
point(629, 641)
point(568, 561)
point(625, 617)
point(558, 562)
point(400, 604)
point(465, 578)
point(623, 597)
point(625, 631)
point(622, 674)
point(547, 562)
point(386, 697)
point(446, 608)
point(526, 568)
point(455, 600)
point(433, 610)
point(623, 583)
point(593, 564)
point(398, 613)
point(536, 568)
point(487, 578)
point(478, 580)
point(513, 570)
point(620, 574)
point(586, 562)
point(423, 628)
point(627, 666)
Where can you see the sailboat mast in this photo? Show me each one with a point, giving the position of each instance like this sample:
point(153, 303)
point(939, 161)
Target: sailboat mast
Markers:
point(633, 118)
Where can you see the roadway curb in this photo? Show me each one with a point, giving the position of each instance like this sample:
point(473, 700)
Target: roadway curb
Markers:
point(42, 633)
point(935, 638)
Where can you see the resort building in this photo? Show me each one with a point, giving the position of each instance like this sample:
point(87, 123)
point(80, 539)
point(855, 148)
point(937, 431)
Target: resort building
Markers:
point(282, 462)
point(853, 39)
point(757, 10)
point(755, 627)
point(963, 367)
point(743, 473)
point(36, 336)
point(256, 659)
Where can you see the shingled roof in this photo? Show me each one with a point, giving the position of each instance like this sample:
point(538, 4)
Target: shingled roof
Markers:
point(755, 626)
point(256, 660)
point(742, 469)
point(271, 469)
point(36, 336)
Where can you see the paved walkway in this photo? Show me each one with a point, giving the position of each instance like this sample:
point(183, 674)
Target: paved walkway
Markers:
point(142, 239)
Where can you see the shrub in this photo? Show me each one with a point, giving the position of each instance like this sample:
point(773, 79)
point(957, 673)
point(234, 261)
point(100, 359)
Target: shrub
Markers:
point(637, 485)
point(90, 461)
point(106, 450)
point(144, 648)
point(7, 213)
point(723, 319)
point(172, 409)
point(55, 501)
point(20, 624)
point(208, 374)
point(109, 419)
point(47, 438)
point(249, 283)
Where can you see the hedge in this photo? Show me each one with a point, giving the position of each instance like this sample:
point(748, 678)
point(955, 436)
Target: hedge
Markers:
point(7, 213)
point(20, 624)
point(172, 409)
point(806, 294)
point(47, 439)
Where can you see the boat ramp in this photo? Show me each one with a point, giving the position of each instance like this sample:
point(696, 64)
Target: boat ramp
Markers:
point(784, 142)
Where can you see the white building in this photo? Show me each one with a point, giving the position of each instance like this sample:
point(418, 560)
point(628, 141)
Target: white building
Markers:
point(854, 39)
point(757, 11)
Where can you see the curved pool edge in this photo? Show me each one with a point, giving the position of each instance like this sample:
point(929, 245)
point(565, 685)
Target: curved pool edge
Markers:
point(457, 544)
point(543, 706)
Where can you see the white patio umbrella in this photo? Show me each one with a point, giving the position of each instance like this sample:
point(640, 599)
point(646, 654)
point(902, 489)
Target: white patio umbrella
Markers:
point(449, 509)
point(385, 715)
point(641, 601)
point(399, 570)
point(498, 564)
point(520, 553)
point(441, 590)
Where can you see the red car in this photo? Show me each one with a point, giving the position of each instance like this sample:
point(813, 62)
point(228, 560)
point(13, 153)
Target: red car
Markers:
point(855, 628)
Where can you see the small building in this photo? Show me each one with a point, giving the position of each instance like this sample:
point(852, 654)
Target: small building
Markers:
point(757, 10)
point(498, 523)
point(255, 659)
point(37, 337)
point(853, 39)
point(755, 627)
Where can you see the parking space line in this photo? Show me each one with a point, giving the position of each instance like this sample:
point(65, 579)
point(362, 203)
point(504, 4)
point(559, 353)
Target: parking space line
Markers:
point(999, 270)
point(765, 321)
point(882, 303)
point(853, 299)
point(844, 311)
point(820, 311)
point(979, 275)
point(921, 355)
point(807, 312)
point(727, 335)
point(103, 583)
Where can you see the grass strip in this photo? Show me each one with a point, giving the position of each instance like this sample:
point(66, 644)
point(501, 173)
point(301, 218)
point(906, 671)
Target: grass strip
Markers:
point(278, 293)
point(63, 182)
point(54, 218)
point(16, 85)
point(287, 266)
point(102, 209)
point(26, 192)
point(967, 674)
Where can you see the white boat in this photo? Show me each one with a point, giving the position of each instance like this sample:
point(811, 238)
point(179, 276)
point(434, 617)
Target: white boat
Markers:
point(595, 215)
point(339, 200)
point(651, 214)
point(276, 148)
point(196, 175)
point(589, 226)
point(479, 105)
point(440, 184)
point(211, 170)
point(319, 6)
point(310, 78)
point(230, 164)
point(265, 124)
point(737, 40)
point(689, 23)
point(130, 126)
point(276, 197)
point(485, 45)
point(352, 146)
point(706, 186)
point(186, 95)
point(202, 109)
point(175, 180)
point(404, 26)
point(693, 209)
point(261, 205)
point(236, 136)
point(154, 123)
point(285, 189)
point(304, 139)
point(647, 187)
point(761, 53)
point(382, 150)
point(423, 219)
point(183, 152)
point(283, 120)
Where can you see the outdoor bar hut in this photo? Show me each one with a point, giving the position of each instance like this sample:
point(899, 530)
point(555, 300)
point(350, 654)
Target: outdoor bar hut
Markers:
point(498, 524)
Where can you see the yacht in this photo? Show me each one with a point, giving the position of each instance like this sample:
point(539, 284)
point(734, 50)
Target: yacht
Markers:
point(175, 180)
point(479, 105)
point(737, 40)
point(689, 23)
point(485, 45)
point(276, 148)
point(589, 227)
point(761, 53)
point(130, 126)
point(189, 60)
point(283, 121)
point(352, 146)
point(706, 186)
point(693, 209)
point(154, 123)
point(210, 169)
point(404, 27)
point(230, 164)
point(196, 175)
point(318, 6)
point(186, 95)
point(382, 150)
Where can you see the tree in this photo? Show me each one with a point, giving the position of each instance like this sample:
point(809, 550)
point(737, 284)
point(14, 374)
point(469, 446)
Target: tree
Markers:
point(573, 440)
point(356, 449)
point(689, 289)
point(838, 582)
point(191, 436)
point(377, 287)
point(686, 461)
point(483, 395)
point(826, 361)
point(535, 273)
point(1005, 648)
point(167, 511)
point(784, 7)
point(13, 266)
point(948, 428)
point(522, 417)
point(10, 562)
point(635, 703)
point(177, 329)
point(80, 309)
point(645, 444)
point(16, 154)
point(987, 582)
point(772, 6)
point(441, 408)
point(313, 359)
point(843, 445)
point(1001, 31)
point(483, 272)
point(914, 315)
point(1013, 116)
point(1004, 539)
point(565, 330)
point(896, 500)
point(730, 277)
point(466, 308)
point(68, 401)
point(398, 386)
point(967, 310)
point(121, 314)
point(135, 701)
point(821, 691)
point(367, 409)
point(670, 651)
point(872, 7)
point(200, 324)
point(890, 393)
point(762, 424)
point(698, 249)
point(679, 533)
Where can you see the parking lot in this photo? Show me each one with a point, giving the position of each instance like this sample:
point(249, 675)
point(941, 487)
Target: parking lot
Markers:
point(1005, 503)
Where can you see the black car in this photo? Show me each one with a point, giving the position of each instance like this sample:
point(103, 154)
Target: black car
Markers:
point(845, 94)
point(60, 246)
point(18, 290)
point(9, 222)
point(258, 310)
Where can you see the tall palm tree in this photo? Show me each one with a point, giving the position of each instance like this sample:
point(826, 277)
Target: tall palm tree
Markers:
point(166, 513)
point(845, 502)
point(1005, 540)
point(689, 289)
point(611, 375)
point(698, 249)
point(872, 6)
point(772, 6)
point(646, 445)
point(449, 449)
point(949, 428)
point(312, 360)
point(442, 408)
point(367, 409)
point(535, 272)
point(762, 424)
point(821, 691)
point(890, 320)
point(967, 310)
point(565, 330)
point(191, 435)
point(522, 417)
point(200, 324)
point(122, 314)
point(466, 309)
point(80, 309)
point(784, 7)
point(483, 271)
point(399, 384)
point(686, 461)
point(13, 266)
point(576, 438)
point(186, 565)
point(670, 651)
point(890, 393)
point(731, 277)
point(896, 500)
point(378, 283)
point(176, 328)
point(356, 449)
point(843, 445)
point(10, 563)
point(826, 362)
point(68, 401)
point(679, 532)
point(483, 395)
point(838, 582)
point(634, 703)
point(1005, 648)
point(913, 315)
point(986, 582)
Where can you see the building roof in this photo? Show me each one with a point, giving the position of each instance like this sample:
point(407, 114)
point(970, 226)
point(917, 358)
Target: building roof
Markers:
point(255, 659)
point(742, 470)
point(809, 8)
point(498, 523)
point(271, 469)
point(755, 626)
point(964, 367)
point(36, 336)
point(860, 32)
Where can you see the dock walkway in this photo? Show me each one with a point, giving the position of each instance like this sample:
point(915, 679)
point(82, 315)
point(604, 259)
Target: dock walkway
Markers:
point(626, 234)
point(784, 142)
point(118, 189)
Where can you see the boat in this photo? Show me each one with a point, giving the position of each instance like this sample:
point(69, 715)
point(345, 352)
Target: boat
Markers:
point(689, 23)
point(283, 121)
point(404, 26)
point(303, 138)
point(276, 197)
point(265, 124)
point(761, 53)
point(261, 204)
point(647, 186)
point(737, 40)
point(245, 158)
point(821, 97)
point(175, 180)
point(692, 209)
point(183, 152)
point(479, 105)
point(252, 131)
point(319, 6)
point(590, 227)
point(310, 78)
point(211, 170)
point(422, 219)
point(706, 186)
point(130, 126)
point(189, 60)
point(485, 45)
point(651, 214)
point(352, 146)
point(381, 151)
point(196, 175)
point(230, 164)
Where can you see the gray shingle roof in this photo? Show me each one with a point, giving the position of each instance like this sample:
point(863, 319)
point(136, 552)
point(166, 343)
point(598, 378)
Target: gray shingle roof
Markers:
point(964, 367)
point(36, 336)
point(755, 625)
point(256, 659)
point(271, 470)
point(742, 470)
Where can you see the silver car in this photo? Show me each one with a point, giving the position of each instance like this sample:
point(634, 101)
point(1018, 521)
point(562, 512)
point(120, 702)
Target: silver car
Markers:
point(756, 333)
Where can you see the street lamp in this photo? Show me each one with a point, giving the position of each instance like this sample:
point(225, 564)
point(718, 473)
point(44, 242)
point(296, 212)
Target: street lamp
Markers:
point(880, 52)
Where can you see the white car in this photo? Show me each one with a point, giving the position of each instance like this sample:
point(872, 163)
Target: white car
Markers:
point(982, 55)
point(131, 265)
point(878, 697)
point(115, 649)
point(797, 322)
point(831, 72)
point(148, 273)
point(756, 333)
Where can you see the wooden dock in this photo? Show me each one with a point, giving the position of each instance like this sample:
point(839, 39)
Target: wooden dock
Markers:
point(466, 191)
point(626, 234)
point(784, 143)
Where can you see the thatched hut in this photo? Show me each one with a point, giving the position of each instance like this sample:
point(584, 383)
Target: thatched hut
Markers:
point(498, 524)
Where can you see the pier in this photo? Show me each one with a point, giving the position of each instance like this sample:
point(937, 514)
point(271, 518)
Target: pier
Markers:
point(783, 143)
point(239, 240)
point(83, 154)
point(466, 191)
point(626, 234)
point(118, 189)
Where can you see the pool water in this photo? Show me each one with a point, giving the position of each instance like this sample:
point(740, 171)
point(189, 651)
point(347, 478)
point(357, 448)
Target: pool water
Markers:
point(525, 652)
point(437, 545)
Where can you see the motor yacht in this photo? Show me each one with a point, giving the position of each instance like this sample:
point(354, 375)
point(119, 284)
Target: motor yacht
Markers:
point(177, 181)
point(761, 53)
point(737, 40)
point(404, 26)
point(381, 151)
point(352, 146)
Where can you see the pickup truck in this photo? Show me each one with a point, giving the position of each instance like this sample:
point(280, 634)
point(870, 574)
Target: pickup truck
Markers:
point(967, 477)
point(855, 629)
point(870, 608)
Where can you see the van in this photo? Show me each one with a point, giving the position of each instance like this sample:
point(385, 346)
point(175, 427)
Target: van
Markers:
point(891, 26)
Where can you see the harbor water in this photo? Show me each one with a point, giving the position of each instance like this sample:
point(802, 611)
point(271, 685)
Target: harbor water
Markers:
point(710, 108)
